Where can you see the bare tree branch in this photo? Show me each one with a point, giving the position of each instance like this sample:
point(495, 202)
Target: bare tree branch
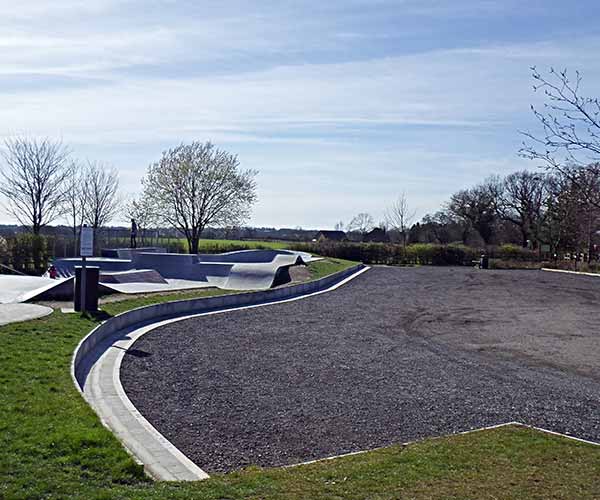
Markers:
point(35, 173)
point(100, 193)
point(361, 223)
point(399, 217)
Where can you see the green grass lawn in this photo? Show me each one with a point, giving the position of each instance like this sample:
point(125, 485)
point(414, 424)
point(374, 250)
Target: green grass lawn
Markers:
point(54, 446)
point(212, 244)
point(321, 268)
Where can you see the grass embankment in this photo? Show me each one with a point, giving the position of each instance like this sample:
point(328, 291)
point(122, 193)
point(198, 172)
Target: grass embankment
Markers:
point(53, 445)
point(321, 268)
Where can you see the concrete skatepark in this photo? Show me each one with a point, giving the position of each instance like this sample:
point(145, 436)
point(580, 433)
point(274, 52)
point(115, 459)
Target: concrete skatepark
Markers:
point(153, 270)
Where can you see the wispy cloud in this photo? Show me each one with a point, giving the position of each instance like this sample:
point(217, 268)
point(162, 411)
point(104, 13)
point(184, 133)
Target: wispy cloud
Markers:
point(309, 97)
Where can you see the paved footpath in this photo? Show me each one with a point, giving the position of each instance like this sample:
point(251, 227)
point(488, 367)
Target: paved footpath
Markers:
point(395, 355)
point(14, 313)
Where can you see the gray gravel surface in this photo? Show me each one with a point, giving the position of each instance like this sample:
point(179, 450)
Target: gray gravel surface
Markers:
point(395, 355)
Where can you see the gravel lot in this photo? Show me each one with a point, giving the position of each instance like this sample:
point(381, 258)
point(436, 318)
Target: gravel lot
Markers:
point(395, 355)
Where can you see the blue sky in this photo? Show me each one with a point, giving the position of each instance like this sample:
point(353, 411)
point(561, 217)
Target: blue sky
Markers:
point(340, 105)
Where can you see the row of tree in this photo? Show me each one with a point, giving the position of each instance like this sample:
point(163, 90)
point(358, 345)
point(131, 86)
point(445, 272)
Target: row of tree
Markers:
point(43, 183)
point(556, 206)
point(559, 204)
point(533, 209)
point(191, 186)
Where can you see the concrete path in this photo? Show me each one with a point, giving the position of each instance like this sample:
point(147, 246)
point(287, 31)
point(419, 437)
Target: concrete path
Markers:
point(13, 313)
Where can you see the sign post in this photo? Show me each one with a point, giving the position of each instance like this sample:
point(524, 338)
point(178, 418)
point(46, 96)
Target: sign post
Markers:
point(86, 249)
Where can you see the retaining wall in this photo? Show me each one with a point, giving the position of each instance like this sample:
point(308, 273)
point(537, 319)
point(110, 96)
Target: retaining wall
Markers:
point(86, 352)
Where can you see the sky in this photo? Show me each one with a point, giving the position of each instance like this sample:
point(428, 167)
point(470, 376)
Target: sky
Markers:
point(340, 105)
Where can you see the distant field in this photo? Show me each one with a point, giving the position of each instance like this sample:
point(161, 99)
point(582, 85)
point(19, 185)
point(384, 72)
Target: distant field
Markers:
point(211, 244)
point(206, 245)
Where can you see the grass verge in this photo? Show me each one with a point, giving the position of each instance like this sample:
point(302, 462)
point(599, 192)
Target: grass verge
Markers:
point(321, 268)
point(53, 445)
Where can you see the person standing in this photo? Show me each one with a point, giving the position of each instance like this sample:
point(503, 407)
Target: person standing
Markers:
point(134, 229)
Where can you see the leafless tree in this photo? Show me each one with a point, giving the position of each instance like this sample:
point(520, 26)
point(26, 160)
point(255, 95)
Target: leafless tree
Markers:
point(101, 194)
point(34, 173)
point(520, 200)
point(339, 226)
point(194, 185)
point(361, 223)
point(400, 217)
point(570, 126)
point(477, 208)
point(444, 227)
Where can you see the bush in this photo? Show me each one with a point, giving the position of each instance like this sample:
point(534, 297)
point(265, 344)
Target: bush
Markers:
point(28, 253)
point(513, 253)
point(516, 264)
point(393, 254)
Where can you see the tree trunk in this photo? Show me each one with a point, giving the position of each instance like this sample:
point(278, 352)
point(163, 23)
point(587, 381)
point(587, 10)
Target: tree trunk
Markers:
point(193, 242)
point(465, 236)
point(524, 237)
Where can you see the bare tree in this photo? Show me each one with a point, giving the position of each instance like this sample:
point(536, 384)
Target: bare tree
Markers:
point(361, 223)
point(477, 208)
point(570, 126)
point(34, 174)
point(520, 200)
point(444, 227)
point(339, 226)
point(194, 185)
point(101, 195)
point(399, 217)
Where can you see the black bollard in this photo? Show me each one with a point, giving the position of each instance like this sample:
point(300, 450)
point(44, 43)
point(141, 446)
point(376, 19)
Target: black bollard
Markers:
point(92, 276)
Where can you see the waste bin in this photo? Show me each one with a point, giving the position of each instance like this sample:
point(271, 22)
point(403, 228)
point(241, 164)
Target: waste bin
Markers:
point(92, 275)
point(484, 262)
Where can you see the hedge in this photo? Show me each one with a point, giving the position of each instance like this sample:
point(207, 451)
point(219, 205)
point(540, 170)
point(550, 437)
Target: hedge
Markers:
point(415, 254)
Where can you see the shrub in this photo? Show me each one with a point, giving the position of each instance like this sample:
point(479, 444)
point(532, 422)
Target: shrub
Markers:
point(513, 252)
point(28, 253)
point(515, 264)
point(393, 254)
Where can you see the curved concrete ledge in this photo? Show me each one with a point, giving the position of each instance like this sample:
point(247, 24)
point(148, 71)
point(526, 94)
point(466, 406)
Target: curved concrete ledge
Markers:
point(97, 359)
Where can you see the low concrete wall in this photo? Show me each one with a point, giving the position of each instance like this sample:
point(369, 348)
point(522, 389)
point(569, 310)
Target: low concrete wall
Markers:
point(86, 352)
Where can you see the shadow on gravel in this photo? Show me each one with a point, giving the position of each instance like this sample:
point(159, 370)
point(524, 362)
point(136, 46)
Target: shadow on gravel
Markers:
point(138, 353)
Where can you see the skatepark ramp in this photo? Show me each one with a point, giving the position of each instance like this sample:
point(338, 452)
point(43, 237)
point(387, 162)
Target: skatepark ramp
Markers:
point(151, 270)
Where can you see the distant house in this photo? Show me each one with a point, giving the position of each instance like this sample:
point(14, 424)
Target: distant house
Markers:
point(331, 236)
point(377, 235)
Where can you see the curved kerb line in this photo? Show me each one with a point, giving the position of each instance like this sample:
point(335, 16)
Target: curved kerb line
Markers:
point(161, 459)
point(188, 470)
